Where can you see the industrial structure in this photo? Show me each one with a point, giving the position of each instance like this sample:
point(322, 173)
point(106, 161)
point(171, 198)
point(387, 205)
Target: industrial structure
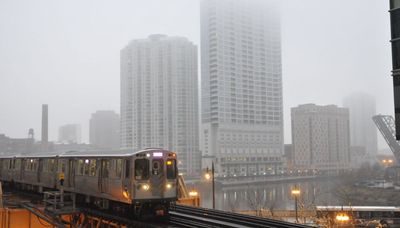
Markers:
point(386, 125)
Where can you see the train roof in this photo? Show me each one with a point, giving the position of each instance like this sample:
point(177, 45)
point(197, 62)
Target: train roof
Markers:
point(88, 153)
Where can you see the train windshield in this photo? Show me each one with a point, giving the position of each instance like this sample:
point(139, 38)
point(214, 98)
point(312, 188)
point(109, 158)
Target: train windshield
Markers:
point(171, 169)
point(142, 169)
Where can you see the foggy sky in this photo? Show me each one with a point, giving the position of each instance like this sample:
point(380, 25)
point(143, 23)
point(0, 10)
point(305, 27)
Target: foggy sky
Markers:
point(66, 54)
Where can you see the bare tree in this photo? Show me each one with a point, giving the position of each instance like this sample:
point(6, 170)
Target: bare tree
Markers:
point(258, 201)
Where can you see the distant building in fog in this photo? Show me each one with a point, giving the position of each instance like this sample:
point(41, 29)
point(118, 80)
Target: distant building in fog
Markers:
point(357, 156)
point(15, 146)
point(288, 156)
point(104, 130)
point(241, 76)
point(159, 98)
point(320, 137)
point(69, 133)
point(363, 131)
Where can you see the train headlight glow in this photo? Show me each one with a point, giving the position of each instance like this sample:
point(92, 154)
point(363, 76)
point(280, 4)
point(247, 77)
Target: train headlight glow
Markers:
point(145, 187)
point(342, 217)
point(169, 186)
point(125, 193)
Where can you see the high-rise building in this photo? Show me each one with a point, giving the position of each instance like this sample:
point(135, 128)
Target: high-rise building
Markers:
point(159, 98)
point(363, 131)
point(70, 133)
point(395, 41)
point(320, 138)
point(242, 125)
point(104, 130)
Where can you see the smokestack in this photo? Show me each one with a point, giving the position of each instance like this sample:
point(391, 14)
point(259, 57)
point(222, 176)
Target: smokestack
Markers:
point(45, 124)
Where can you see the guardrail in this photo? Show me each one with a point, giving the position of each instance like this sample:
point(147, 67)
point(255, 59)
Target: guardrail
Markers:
point(186, 216)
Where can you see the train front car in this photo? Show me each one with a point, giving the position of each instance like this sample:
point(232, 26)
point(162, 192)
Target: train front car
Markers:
point(155, 182)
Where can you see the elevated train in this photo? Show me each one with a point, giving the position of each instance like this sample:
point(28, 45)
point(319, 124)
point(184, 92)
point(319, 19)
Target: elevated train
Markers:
point(140, 183)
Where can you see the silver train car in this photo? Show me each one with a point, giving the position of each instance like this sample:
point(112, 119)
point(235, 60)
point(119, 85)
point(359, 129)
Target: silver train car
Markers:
point(140, 183)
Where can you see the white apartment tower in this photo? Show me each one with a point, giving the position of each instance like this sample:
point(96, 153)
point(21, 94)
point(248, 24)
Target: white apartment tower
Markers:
point(363, 131)
point(159, 98)
point(320, 137)
point(242, 125)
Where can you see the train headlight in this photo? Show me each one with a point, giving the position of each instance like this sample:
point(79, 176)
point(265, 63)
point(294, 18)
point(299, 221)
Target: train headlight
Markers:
point(169, 186)
point(125, 193)
point(145, 187)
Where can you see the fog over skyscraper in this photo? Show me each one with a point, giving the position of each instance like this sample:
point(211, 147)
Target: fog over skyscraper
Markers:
point(363, 131)
point(242, 126)
point(104, 130)
point(159, 98)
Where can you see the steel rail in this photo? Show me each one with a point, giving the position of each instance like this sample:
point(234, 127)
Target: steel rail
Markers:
point(117, 219)
point(233, 218)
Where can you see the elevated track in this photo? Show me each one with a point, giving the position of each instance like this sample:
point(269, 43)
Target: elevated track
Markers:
point(180, 216)
point(195, 217)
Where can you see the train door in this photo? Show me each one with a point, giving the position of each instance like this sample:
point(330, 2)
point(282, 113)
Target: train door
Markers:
point(1, 167)
point(40, 170)
point(21, 163)
point(71, 173)
point(157, 177)
point(104, 173)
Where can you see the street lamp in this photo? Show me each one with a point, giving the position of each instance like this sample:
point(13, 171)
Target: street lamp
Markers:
point(296, 193)
point(209, 176)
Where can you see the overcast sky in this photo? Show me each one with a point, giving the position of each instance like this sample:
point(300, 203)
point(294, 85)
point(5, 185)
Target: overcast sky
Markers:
point(66, 54)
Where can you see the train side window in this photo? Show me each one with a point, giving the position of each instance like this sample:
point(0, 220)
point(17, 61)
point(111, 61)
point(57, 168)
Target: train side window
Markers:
point(27, 165)
point(118, 168)
point(105, 167)
point(142, 169)
point(45, 165)
point(92, 167)
point(63, 166)
point(7, 164)
point(17, 164)
point(127, 168)
point(35, 164)
point(171, 169)
point(80, 167)
point(50, 166)
point(86, 167)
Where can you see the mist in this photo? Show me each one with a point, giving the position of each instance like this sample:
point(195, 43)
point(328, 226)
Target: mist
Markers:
point(67, 54)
